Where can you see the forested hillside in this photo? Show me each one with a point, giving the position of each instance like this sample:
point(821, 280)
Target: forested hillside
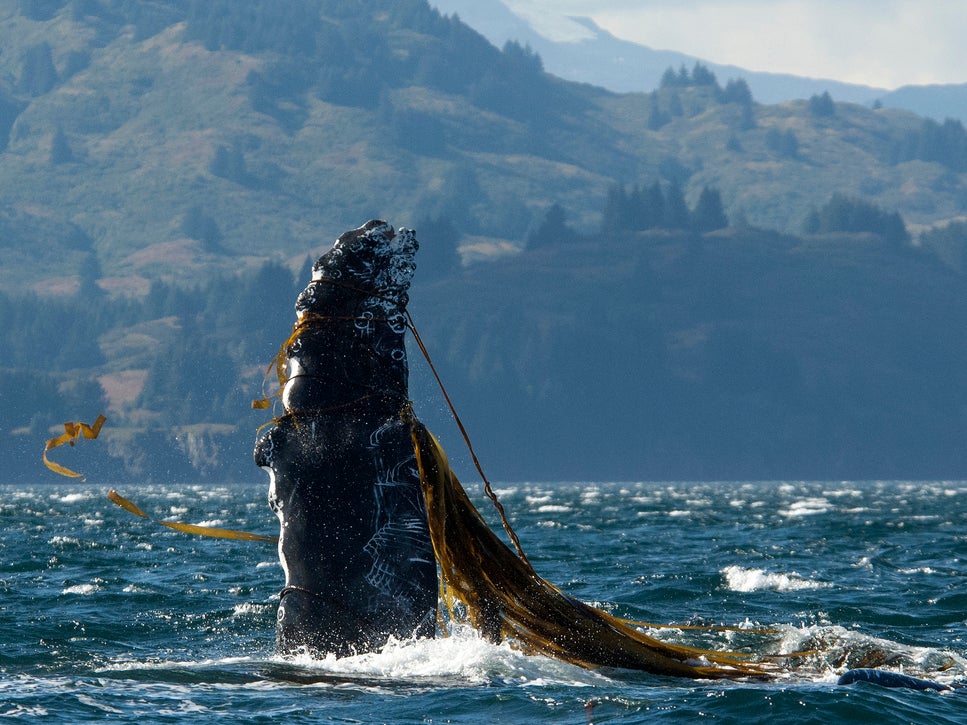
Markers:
point(683, 283)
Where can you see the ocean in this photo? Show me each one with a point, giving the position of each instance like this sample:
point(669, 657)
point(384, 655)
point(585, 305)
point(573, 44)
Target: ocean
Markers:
point(106, 616)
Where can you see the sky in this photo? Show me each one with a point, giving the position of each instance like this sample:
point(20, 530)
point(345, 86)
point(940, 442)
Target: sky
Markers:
point(880, 43)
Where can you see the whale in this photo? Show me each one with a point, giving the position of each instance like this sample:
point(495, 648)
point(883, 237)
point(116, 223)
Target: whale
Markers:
point(354, 543)
point(887, 678)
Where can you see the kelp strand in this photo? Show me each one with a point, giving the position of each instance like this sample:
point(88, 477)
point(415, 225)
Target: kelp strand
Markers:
point(210, 531)
point(73, 431)
point(484, 584)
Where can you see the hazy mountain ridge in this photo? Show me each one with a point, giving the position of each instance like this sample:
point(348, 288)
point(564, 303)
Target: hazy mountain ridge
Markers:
point(601, 59)
point(170, 164)
point(619, 65)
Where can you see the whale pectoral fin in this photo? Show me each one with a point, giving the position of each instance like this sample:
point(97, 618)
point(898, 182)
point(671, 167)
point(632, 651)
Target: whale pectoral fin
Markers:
point(886, 678)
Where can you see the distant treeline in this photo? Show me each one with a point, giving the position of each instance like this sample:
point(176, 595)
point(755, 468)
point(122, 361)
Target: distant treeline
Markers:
point(943, 143)
point(222, 331)
point(203, 350)
point(663, 206)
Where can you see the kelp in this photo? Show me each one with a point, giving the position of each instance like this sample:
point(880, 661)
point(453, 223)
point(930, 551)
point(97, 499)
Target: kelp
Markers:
point(210, 531)
point(73, 431)
point(483, 583)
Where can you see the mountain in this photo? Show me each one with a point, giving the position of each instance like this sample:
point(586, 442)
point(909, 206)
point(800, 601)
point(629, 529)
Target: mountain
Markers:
point(686, 282)
point(592, 55)
point(935, 101)
point(177, 138)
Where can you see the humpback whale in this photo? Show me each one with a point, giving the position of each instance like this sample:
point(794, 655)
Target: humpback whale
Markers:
point(370, 510)
point(343, 478)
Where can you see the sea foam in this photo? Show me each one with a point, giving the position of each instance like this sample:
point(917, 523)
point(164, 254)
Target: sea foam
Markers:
point(741, 579)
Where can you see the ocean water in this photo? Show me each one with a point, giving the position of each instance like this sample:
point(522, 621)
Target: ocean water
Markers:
point(105, 616)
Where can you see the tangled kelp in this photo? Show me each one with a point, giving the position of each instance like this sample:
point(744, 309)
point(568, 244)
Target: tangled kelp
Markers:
point(73, 431)
point(485, 584)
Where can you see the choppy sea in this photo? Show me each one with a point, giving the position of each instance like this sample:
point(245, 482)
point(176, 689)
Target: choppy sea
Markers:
point(105, 616)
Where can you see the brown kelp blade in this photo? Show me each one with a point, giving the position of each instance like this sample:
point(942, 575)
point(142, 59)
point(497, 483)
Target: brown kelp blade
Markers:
point(504, 598)
point(126, 504)
point(210, 531)
point(73, 430)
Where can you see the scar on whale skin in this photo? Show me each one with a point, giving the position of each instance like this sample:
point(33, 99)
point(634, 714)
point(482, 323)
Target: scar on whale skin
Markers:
point(344, 483)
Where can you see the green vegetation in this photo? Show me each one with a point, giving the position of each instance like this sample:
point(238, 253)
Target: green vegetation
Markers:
point(679, 283)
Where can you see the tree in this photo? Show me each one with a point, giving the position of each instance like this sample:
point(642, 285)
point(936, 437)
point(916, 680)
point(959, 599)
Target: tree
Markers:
point(669, 79)
point(702, 76)
point(676, 210)
point(845, 214)
point(39, 74)
point(60, 148)
point(822, 106)
point(198, 225)
point(737, 91)
point(653, 206)
point(656, 117)
point(553, 230)
point(708, 214)
point(615, 214)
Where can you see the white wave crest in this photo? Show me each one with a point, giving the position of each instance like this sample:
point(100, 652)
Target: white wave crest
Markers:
point(806, 507)
point(740, 579)
point(463, 657)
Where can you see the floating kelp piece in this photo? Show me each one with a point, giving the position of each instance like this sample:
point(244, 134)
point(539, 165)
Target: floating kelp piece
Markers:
point(210, 531)
point(72, 433)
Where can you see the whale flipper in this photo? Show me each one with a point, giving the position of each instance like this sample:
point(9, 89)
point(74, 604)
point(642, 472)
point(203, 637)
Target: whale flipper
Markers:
point(886, 678)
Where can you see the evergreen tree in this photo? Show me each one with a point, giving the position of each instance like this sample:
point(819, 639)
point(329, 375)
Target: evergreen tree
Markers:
point(669, 79)
point(708, 214)
point(676, 210)
point(614, 218)
point(702, 76)
point(60, 148)
point(198, 225)
point(822, 106)
point(553, 229)
point(675, 107)
point(737, 91)
point(653, 201)
point(845, 214)
point(39, 74)
point(656, 118)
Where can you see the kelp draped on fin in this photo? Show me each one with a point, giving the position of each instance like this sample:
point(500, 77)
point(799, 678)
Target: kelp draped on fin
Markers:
point(505, 599)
